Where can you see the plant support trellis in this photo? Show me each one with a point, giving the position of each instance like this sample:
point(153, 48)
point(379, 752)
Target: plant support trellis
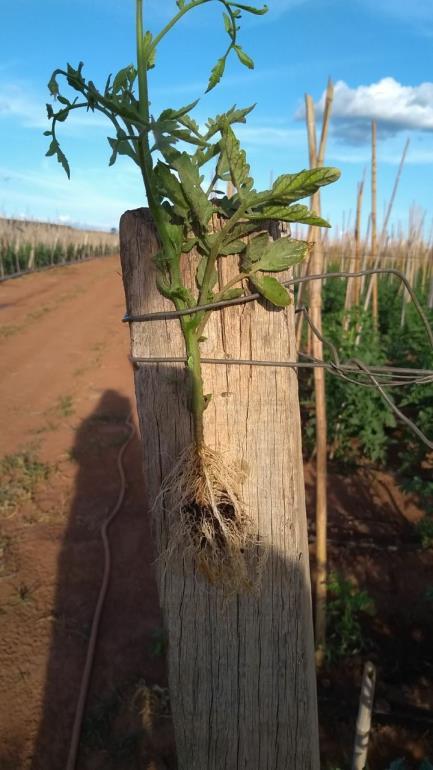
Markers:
point(377, 377)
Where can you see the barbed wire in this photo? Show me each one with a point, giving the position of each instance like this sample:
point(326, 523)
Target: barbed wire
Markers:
point(354, 370)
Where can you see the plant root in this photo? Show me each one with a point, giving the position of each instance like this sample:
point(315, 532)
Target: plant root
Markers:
point(205, 520)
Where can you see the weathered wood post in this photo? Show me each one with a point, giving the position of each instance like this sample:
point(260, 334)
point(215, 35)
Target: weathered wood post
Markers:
point(241, 668)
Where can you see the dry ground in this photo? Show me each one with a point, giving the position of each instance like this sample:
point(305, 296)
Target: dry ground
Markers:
point(65, 394)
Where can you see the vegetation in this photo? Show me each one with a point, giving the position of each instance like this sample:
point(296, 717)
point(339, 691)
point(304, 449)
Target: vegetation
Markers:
point(19, 475)
point(27, 245)
point(361, 427)
point(345, 608)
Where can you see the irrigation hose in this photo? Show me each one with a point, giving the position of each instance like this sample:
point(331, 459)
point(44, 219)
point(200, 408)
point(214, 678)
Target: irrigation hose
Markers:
point(88, 666)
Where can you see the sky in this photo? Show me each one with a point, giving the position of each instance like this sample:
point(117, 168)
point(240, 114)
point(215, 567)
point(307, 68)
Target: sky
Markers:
point(379, 54)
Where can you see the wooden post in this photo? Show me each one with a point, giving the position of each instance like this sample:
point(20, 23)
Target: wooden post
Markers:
point(241, 668)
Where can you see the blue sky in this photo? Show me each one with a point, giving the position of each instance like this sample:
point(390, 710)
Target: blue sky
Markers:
point(378, 52)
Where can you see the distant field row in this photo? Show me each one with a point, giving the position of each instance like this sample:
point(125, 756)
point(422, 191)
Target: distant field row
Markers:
point(27, 245)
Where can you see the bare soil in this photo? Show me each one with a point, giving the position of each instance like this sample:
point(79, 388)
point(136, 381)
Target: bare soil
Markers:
point(65, 395)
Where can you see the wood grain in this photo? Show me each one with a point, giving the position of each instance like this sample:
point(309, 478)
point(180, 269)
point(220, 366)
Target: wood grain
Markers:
point(241, 670)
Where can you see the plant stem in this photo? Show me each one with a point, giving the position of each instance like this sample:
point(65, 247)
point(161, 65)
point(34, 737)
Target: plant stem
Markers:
point(197, 395)
point(145, 156)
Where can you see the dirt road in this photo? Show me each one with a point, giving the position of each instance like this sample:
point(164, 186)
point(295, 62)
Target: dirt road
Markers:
point(66, 391)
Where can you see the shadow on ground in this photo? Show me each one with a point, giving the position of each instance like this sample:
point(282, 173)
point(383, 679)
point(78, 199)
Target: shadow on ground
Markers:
point(118, 730)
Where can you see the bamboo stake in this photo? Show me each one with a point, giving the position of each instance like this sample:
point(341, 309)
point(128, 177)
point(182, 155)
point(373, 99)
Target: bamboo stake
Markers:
point(363, 723)
point(374, 293)
point(352, 289)
point(394, 191)
point(320, 402)
point(312, 156)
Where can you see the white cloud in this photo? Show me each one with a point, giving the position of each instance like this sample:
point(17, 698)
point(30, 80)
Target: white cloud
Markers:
point(394, 106)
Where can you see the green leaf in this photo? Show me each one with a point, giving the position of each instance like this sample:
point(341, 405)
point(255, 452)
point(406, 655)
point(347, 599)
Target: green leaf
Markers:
point(228, 23)
point(187, 136)
point(180, 3)
point(282, 254)
point(53, 85)
point(121, 146)
point(251, 8)
point(296, 213)
point(254, 251)
point(121, 81)
point(201, 267)
point(241, 229)
point(234, 247)
point(189, 176)
point(54, 149)
point(169, 187)
point(170, 114)
point(243, 57)
point(271, 289)
point(216, 74)
point(291, 187)
point(233, 162)
point(188, 245)
point(147, 42)
point(75, 78)
point(232, 294)
point(50, 111)
point(233, 115)
point(62, 115)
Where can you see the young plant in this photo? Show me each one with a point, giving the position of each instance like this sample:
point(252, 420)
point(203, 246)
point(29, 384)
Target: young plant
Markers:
point(172, 152)
point(346, 605)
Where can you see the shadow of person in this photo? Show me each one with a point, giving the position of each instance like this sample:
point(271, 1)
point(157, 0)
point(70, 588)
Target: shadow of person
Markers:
point(124, 662)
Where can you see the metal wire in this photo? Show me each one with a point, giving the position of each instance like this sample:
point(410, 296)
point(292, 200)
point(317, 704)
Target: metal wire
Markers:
point(173, 314)
point(353, 371)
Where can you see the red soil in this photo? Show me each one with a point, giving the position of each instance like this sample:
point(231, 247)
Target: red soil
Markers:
point(66, 392)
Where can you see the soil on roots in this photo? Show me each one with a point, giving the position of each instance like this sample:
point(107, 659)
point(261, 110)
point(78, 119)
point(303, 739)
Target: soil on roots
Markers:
point(206, 520)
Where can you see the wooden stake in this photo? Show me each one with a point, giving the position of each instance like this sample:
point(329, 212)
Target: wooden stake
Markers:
point(315, 295)
point(375, 301)
point(363, 723)
point(241, 668)
point(353, 285)
point(394, 192)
